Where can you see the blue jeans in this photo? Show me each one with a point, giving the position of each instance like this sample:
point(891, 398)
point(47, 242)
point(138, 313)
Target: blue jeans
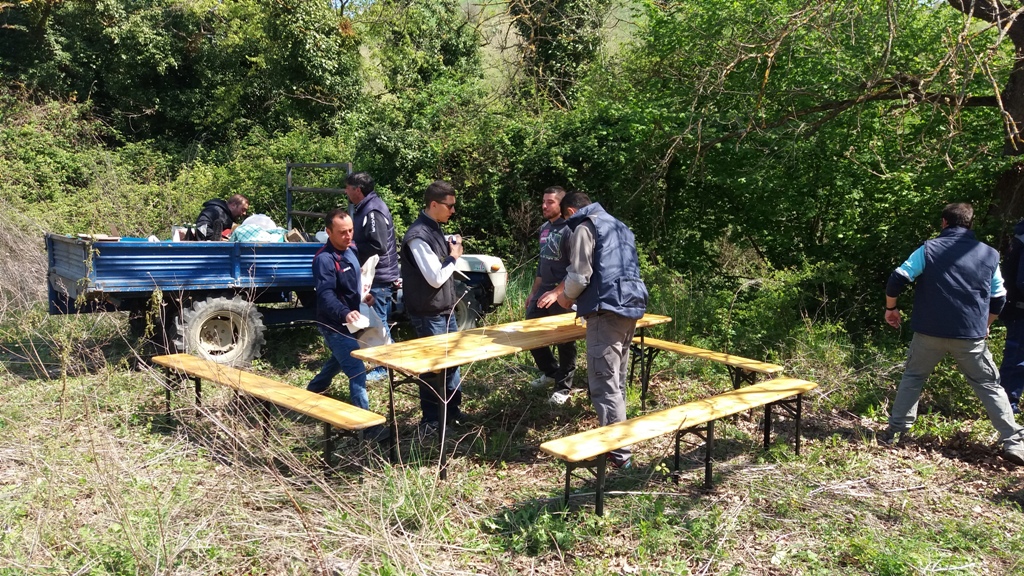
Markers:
point(429, 383)
point(382, 297)
point(341, 360)
point(1012, 368)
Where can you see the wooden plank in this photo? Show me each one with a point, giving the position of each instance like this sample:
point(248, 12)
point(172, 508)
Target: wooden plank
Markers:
point(435, 353)
point(720, 357)
point(323, 408)
point(591, 443)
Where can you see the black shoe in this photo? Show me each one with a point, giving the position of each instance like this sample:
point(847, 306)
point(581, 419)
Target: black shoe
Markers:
point(379, 433)
point(888, 437)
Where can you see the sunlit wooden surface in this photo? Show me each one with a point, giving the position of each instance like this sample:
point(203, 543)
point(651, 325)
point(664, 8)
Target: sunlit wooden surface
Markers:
point(435, 353)
point(591, 443)
point(323, 408)
point(720, 357)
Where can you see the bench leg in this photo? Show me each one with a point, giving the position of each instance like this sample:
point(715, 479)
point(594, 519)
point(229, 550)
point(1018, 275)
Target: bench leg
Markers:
point(709, 445)
point(602, 460)
point(265, 415)
point(799, 411)
point(677, 462)
point(767, 425)
point(328, 446)
point(167, 391)
point(568, 475)
point(199, 391)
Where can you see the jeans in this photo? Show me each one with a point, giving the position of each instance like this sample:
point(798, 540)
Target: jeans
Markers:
point(561, 370)
point(976, 364)
point(341, 360)
point(608, 339)
point(382, 296)
point(430, 400)
point(1012, 368)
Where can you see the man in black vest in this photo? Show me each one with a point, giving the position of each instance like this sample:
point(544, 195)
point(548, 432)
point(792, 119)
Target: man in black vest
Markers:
point(218, 216)
point(374, 235)
point(959, 292)
point(428, 263)
point(1012, 368)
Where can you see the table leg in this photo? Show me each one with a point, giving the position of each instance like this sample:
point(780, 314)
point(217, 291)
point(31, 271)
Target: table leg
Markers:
point(393, 446)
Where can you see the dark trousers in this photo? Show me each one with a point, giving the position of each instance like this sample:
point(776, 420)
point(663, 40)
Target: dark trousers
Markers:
point(431, 384)
point(1012, 369)
point(562, 369)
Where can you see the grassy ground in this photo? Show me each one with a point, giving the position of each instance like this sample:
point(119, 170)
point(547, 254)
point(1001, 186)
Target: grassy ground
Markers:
point(96, 479)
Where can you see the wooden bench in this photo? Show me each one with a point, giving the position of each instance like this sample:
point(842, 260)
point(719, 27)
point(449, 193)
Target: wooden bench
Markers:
point(741, 370)
point(337, 417)
point(581, 449)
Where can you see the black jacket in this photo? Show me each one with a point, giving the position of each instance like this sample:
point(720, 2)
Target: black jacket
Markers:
point(213, 220)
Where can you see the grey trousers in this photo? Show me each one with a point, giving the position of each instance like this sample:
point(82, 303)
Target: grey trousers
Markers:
point(976, 364)
point(608, 339)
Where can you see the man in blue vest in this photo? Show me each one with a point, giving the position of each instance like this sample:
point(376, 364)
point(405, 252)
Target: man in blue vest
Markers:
point(338, 294)
point(428, 286)
point(1012, 368)
point(603, 279)
point(958, 294)
point(374, 235)
point(551, 269)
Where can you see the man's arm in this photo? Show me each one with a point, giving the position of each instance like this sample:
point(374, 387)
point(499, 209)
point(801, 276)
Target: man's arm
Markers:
point(581, 257)
point(997, 296)
point(898, 280)
point(435, 272)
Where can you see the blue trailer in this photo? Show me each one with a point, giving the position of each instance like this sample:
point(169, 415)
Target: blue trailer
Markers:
point(216, 299)
point(211, 298)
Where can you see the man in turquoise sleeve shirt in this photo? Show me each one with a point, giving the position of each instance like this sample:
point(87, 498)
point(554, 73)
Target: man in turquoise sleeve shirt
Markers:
point(958, 294)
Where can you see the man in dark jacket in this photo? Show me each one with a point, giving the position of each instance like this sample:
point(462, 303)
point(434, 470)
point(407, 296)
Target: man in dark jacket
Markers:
point(959, 292)
point(336, 276)
point(551, 268)
point(374, 235)
point(1011, 370)
point(428, 263)
point(603, 279)
point(218, 216)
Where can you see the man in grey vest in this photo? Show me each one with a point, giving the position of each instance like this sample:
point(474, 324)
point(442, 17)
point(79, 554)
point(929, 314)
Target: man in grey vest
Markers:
point(959, 293)
point(374, 235)
point(603, 280)
point(428, 286)
point(551, 268)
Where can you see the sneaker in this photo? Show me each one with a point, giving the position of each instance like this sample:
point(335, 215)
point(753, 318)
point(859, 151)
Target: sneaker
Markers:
point(428, 430)
point(543, 381)
point(377, 433)
point(1014, 455)
point(559, 397)
point(621, 465)
point(376, 375)
point(888, 437)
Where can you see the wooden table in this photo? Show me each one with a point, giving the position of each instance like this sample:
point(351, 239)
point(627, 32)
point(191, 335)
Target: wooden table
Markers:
point(436, 353)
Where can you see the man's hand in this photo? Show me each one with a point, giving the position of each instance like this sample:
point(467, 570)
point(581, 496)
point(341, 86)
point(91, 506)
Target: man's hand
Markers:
point(352, 317)
point(892, 318)
point(455, 247)
point(549, 298)
point(369, 299)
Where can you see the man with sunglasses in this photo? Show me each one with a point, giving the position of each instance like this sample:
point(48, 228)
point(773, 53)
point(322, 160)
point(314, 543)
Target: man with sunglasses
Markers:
point(428, 265)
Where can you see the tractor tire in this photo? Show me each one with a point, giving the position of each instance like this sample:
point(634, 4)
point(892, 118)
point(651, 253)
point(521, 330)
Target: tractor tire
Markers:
point(468, 311)
point(222, 330)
